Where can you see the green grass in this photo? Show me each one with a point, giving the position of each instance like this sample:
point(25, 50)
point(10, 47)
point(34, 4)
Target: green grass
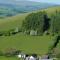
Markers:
point(28, 44)
point(11, 22)
point(8, 58)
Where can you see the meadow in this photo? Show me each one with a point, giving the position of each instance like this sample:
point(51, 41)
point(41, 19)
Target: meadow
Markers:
point(26, 43)
point(9, 58)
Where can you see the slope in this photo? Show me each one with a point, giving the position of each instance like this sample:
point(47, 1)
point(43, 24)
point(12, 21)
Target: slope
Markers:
point(26, 43)
point(15, 21)
point(10, 8)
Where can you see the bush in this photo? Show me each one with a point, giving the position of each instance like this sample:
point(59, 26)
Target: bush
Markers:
point(34, 55)
point(1, 53)
point(11, 52)
point(1, 34)
point(58, 55)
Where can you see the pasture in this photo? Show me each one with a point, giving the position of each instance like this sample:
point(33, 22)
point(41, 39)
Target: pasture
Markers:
point(28, 44)
point(8, 58)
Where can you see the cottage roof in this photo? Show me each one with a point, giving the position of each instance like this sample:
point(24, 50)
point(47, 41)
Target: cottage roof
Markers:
point(19, 56)
point(31, 57)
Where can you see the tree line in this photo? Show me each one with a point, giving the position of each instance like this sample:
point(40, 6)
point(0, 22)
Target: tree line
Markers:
point(40, 22)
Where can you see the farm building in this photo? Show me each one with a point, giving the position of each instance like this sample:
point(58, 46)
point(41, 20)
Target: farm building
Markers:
point(33, 32)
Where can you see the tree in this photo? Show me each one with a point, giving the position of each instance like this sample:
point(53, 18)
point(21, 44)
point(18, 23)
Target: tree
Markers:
point(55, 23)
point(46, 22)
point(35, 21)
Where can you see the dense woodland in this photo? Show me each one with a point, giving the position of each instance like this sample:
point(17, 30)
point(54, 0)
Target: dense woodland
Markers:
point(40, 22)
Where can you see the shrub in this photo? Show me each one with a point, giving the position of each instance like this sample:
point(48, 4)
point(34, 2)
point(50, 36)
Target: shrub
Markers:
point(58, 55)
point(1, 53)
point(34, 55)
point(11, 52)
point(1, 33)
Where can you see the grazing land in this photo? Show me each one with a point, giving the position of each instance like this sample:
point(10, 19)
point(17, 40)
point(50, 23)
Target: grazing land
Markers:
point(26, 43)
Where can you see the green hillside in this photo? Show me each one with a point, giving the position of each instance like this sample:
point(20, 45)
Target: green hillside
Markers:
point(19, 7)
point(28, 44)
point(11, 22)
point(15, 21)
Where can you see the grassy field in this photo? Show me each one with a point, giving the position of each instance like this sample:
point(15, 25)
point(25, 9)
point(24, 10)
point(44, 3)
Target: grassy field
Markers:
point(9, 58)
point(11, 22)
point(26, 43)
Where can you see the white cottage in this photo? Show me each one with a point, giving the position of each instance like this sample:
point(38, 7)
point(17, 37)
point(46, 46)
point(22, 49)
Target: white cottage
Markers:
point(21, 55)
point(32, 58)
point(16, 30)
point(33, 32)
